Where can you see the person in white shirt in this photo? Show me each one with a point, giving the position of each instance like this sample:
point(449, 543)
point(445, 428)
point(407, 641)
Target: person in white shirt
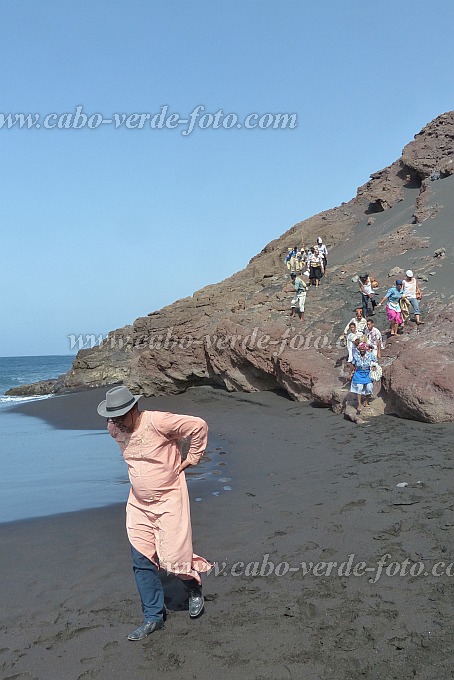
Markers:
point(323, 252)
point(359, 321)
point(315, 265)
point(413, 293)
point(367, 294)
point(351, 344)
point(374, 339)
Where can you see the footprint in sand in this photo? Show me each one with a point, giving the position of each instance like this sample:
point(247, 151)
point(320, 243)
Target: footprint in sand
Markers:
point(354, 504)
point(309, 546)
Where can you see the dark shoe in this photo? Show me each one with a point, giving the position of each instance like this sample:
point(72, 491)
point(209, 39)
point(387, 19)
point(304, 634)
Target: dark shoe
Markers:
point(196, 603)
point(145, 629)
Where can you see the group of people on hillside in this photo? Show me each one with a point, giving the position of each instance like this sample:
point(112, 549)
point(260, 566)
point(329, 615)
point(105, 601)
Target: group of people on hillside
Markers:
point(398, 299)
point(364, 346)
point(312, 262)
point(307, 266)
point(364, 340)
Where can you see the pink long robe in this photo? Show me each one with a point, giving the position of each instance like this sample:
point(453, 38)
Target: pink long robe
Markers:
point(158, 519)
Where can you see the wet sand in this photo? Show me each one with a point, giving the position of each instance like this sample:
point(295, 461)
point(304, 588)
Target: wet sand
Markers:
point(306, 486)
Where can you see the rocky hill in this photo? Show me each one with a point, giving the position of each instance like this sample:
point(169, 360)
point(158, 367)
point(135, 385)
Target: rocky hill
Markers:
point(237, 334)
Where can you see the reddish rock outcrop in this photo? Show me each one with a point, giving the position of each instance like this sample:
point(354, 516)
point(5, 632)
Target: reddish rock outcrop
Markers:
point(432, 148)
point(420, 382)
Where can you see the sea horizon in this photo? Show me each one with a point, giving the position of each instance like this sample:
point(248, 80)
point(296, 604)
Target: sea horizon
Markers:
point(24, 356)
point(25, 369)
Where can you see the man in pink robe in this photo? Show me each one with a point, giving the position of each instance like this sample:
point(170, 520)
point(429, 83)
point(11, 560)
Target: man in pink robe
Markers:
point(158, 518)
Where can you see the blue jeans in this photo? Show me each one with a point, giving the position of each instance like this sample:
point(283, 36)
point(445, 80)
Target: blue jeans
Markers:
point(149, 586)
point(367, 303)
point(415, 304)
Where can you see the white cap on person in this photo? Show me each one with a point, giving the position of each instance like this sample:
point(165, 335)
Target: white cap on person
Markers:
point(409, 273)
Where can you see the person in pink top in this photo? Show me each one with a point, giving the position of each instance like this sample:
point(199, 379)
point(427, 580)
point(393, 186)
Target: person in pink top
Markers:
point(158, 519)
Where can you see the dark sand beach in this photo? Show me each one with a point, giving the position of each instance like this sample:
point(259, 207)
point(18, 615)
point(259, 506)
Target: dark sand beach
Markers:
point(306, 486)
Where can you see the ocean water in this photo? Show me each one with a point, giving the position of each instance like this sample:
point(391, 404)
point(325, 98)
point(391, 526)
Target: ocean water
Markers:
point(15, 371)
point(46, 471)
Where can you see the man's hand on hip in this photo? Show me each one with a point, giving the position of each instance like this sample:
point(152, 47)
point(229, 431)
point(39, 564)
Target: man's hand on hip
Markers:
point(183, 466)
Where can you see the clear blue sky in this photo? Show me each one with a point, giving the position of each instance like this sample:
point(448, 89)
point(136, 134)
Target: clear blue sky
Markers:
point(102, 226)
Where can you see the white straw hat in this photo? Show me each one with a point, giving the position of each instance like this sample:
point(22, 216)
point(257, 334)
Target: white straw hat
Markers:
point(409, 273)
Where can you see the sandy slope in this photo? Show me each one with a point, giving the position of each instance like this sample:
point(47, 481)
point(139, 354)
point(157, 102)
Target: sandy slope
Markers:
point(307, 486)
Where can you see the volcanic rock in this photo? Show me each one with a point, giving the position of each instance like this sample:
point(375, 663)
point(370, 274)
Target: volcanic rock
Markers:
point(238, 334)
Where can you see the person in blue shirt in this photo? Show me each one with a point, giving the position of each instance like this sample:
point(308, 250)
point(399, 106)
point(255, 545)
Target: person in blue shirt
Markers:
point(290, 259)
point(393, 297)
point(361, 381)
